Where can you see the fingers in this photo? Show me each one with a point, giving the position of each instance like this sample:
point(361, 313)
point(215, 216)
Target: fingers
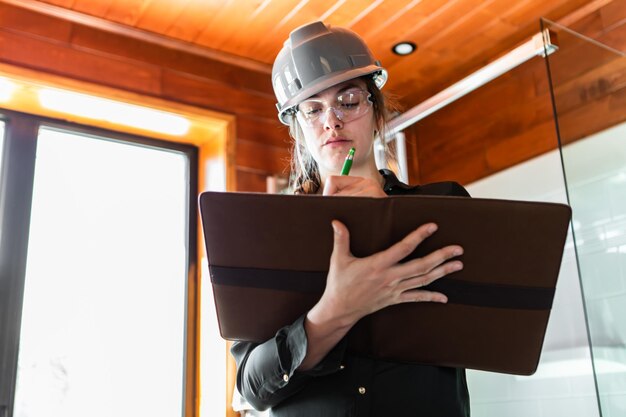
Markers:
point(341, 239)
point(407, 245)
point(428, 263)
point(335, 183)
point(423, 280)
point(417, 296)
point(380, 280)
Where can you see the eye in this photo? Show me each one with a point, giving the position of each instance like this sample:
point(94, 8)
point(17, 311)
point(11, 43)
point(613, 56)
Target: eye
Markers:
point(349, 105)
point(309, 109)
point(349, 100)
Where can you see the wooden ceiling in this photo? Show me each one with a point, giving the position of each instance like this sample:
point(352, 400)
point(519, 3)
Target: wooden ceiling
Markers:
point(454, 38)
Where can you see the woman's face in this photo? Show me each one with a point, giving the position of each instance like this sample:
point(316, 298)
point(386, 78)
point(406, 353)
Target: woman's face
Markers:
point(329, 138)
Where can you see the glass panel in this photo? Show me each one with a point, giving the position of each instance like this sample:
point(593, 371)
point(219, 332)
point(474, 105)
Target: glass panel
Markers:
point(1, 154)
point(587, 82)
point(1, 138)
point(103, 326)
point(563, 385)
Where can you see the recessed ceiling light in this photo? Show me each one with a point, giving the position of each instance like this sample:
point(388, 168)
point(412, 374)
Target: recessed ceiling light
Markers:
point(404, 48)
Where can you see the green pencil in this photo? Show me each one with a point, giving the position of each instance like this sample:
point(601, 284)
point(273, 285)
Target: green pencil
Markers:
point(348, 163)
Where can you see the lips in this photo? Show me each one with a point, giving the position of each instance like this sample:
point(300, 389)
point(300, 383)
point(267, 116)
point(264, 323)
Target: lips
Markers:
point(337, 139)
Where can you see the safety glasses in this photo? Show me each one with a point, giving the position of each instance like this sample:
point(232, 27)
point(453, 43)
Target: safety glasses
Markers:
point(347, 106)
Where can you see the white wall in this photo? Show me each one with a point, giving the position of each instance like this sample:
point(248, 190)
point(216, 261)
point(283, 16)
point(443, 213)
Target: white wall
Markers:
point(563, 384)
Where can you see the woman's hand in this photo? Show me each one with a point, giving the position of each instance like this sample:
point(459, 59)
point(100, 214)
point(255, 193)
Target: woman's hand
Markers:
point(347, 185)
point(356, 287)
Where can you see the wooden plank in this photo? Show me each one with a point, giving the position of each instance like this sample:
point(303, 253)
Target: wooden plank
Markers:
point(417, 82)
point(214, 95)
point(227, 20)
point(192, 19)
point(34, 24)
point(61, 3)
point(465, 170)
point(519, 148)
point(503, 8)
point(591, 86)
point(266, 131)
point(137, 50)
point(593, 117)
point(590, 25)
point(251, 181)
point(334, 13)
point(420, 23)
point(245, 42)
point(509, 111)
point(488, 44)
point(132, 33)
point(474, 25)
point(57, 59)
point(159, 15)
point(385, 15)
point(613, 13)
point(455, 27)
point(534, 10)
point(270, 43)
point(263, 158)
point(96, 8)
point(481, 125)
point(126, 12)
point(567, 65)
point(591, 7)
point(615, 38)
point(487, 106)
point(343, 12)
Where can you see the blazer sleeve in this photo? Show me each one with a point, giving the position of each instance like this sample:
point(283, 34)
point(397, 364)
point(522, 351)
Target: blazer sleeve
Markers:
point(267, 372)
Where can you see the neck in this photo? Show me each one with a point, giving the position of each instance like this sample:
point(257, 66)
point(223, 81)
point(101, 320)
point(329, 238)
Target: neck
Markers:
point(368, 170)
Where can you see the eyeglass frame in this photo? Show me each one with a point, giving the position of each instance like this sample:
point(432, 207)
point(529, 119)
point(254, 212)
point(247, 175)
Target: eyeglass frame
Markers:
point(312, 122)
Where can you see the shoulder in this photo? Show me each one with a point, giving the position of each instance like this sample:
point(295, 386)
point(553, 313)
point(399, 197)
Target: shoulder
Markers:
point(444, 188)
point(393, 186)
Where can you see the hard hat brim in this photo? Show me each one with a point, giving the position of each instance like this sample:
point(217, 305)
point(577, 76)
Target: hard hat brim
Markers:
point(328, 81)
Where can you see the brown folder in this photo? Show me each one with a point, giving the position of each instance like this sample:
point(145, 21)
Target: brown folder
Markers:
point(269, 254)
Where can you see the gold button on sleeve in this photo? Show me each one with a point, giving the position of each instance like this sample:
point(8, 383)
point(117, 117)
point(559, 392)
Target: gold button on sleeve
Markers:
point(361, 390)
point(285, 377)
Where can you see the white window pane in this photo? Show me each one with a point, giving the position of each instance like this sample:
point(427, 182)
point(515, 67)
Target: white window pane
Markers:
point(1, 152)
point(1, 141)
point(103, 318)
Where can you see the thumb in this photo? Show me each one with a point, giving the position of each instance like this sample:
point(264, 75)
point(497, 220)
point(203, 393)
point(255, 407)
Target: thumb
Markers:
point(341, 243)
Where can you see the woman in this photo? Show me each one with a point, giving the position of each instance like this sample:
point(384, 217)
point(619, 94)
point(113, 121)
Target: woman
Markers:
point(328, 88)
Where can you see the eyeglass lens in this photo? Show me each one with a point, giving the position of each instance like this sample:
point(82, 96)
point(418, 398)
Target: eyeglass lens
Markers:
point(347, 106)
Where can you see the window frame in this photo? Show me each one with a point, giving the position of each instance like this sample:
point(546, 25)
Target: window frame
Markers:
point(16, 193)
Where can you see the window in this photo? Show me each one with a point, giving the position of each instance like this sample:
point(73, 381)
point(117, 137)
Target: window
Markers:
point(110, 239)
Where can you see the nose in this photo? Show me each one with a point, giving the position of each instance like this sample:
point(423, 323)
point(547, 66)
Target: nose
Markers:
point(332, 121)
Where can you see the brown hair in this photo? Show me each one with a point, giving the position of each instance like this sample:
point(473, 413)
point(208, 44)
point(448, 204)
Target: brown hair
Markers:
point(305, 176)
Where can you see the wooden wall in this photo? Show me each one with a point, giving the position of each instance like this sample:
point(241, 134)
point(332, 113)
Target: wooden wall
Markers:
point(52, 45)
point(504, 123)
point(510, 120)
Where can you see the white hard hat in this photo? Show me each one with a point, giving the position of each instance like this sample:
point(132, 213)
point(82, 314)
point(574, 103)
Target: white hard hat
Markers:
point(316, 57)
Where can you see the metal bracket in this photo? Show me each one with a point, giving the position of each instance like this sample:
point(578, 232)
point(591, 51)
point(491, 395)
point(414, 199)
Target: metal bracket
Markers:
point(549, 42)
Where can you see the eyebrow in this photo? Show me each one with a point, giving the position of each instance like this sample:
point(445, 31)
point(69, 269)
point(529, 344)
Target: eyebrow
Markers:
point(341, 90)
